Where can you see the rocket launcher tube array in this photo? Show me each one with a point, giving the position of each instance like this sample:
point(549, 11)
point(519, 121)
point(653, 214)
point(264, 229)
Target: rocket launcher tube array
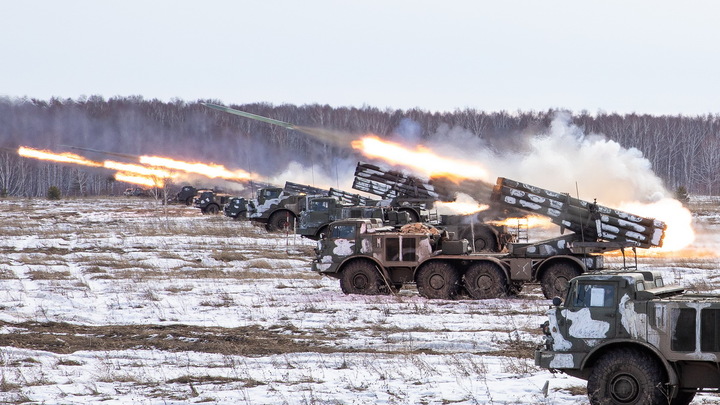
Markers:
point(580, 216)
point(390, 184)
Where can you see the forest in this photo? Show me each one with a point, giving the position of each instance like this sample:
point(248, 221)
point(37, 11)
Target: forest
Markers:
point(681, 149)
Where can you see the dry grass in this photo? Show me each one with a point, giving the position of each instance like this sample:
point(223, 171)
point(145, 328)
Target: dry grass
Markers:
point(49, 275)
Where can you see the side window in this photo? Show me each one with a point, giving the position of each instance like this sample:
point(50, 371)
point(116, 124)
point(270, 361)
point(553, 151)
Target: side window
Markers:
point(394, 253)
point(392, 249)
point(710, 330)
point(408, 249)
point(343, 232)
point(595, 295)
point(639, 286)
point(319, 205)
point(683, 330)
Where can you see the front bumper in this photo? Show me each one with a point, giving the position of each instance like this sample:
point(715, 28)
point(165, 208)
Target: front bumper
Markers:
point(559, 360)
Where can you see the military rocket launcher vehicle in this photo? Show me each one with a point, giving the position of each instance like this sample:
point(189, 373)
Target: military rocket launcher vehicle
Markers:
point(590, 221)
point(417, 197)
point(370, 258)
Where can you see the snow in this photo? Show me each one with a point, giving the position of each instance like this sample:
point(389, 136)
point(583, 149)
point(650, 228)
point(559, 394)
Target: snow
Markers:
point(134, 302)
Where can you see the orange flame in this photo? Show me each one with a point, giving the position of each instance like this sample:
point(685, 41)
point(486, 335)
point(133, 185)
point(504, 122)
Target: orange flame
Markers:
point(129, 173)
point(137, 169)
point(209, 170)
point(140, 180)
point(56, 157)
point(679, 233)
point(421, 159)
point(532, 221)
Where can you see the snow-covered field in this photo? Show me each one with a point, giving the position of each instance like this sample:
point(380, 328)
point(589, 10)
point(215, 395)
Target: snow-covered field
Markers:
point(120, 301)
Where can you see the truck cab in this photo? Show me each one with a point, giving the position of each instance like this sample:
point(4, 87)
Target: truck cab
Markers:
point(634, 339)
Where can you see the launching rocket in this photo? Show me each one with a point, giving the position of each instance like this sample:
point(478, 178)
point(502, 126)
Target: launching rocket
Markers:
point(251, 116)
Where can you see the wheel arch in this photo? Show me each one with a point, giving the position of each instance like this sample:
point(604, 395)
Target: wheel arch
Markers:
point(370, 259)
point(592, 357)
point(547, 263)
point(281, 211)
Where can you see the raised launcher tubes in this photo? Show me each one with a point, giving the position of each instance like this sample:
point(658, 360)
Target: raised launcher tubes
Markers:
point(393, 184)
point(296, 188)
point(592, 221)
point(350, 198)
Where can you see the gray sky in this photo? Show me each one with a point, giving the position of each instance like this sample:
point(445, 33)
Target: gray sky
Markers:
point(656, 57)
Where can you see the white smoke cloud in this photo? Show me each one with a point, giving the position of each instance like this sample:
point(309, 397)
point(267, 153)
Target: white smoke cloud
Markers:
point(601, 168)
point(560, 159)
point(313, 176)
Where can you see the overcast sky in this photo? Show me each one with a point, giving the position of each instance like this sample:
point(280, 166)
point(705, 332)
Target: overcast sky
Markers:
point(657, 57)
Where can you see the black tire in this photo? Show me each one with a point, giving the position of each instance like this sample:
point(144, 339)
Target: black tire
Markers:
point(556, 279)
point(189, 201)
point(683, 398)
point(627, 377)
point(485, 243)
point(281, 220)
point(438, 280)
point(485, 280)
point(212, 209)
point(361, 277)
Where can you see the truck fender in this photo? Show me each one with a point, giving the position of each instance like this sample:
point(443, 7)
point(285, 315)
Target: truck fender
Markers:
point(504, 266)
point(625, 343)
point(548, 262)
point(350, 259)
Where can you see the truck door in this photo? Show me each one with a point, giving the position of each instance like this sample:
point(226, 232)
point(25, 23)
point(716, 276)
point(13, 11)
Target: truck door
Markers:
point(592, 310)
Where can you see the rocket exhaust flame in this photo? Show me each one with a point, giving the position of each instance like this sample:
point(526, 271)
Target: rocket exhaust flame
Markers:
point(153, 170)
point(532, 221)
point(139, 180)
point(56, 157)
point(137, 169)
point(128, 173)
point(421, 159)
point(208, 170)
point(679, 233)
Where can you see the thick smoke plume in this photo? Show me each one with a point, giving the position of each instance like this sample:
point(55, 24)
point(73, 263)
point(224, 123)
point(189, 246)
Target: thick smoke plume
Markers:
point(562, 159)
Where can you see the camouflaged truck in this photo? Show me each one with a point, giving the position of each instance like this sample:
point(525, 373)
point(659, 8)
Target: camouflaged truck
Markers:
point(236, 208)
point(369, 257)
point(186, 195)
point(211, 202)
point(276, 208)
point(320, 212)
point(635, 340)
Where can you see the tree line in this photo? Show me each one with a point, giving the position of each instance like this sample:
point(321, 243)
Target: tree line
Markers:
point(683, 150)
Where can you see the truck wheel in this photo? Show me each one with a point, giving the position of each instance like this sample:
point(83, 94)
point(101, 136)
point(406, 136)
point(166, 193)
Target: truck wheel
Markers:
point(485, 243)
point(280, 221)
point(361, 277)
point(626, 376)
point(438, 280)
point(189, 201)
point(212, 209)
point(556, 278)
point(485, 280)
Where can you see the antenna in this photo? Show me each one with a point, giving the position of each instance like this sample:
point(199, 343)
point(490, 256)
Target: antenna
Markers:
point(582, 232)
